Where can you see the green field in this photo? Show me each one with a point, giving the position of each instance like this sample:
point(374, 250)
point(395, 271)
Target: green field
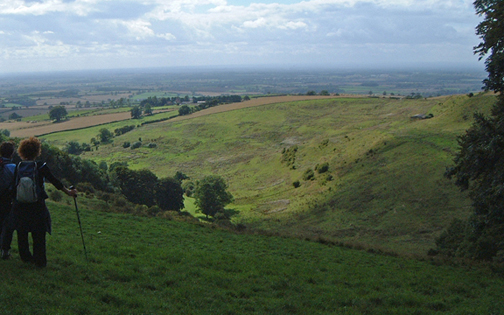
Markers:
point(386, 187)
point(140, 265)
point(84, 135)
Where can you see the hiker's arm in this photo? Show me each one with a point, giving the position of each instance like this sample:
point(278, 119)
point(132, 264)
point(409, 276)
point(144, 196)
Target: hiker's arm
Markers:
point(46, 172)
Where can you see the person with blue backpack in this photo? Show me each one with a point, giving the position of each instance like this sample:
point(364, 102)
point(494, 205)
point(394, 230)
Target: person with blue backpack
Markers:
point(29, 211)
point(6, 183)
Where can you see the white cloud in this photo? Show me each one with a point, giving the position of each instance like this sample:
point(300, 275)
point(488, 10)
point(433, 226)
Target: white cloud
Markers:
point(19, 7)
point(167, 36)
point(216, 31)
point(140, 29)
point(260, 22)
point(291, 25)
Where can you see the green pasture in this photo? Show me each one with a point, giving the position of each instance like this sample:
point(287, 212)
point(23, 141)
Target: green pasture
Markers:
point(385, 185)
point(161, 265)
point(84, 135)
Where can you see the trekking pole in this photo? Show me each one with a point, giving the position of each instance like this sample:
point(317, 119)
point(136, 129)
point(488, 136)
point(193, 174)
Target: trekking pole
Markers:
point(80, 225)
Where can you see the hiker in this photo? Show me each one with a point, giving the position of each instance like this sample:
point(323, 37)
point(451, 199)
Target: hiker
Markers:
point(6, 184)
point(29, 211)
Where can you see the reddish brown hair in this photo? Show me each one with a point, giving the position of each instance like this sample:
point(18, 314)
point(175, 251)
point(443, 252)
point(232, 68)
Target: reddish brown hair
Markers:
point(30, 148)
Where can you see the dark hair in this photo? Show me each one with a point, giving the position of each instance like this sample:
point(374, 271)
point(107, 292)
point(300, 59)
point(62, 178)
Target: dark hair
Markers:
point(30, 148)
point(7, 149)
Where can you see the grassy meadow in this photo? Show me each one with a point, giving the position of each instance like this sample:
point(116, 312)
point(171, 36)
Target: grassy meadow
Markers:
point(140, 265)
point(384, 187)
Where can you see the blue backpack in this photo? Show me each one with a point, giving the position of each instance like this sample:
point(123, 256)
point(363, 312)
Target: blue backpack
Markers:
point(27, 190)
point(6, 178)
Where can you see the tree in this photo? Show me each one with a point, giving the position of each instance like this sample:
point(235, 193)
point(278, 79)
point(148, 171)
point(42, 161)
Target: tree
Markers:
point(148, 109)
point(491, 32)
point(137, 186)
point(136, 112)
point(324, 93)
point(211, 195)
point(479, 165)
point(58, 113)
point(15, 116)
point(180, 176)
point(105, 135)
point(184, 110)
point(73, 147)
point(169, 194)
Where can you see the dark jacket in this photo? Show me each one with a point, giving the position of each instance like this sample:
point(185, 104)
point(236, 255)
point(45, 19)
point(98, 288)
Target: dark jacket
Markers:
point(6, 196)
point(35, 217)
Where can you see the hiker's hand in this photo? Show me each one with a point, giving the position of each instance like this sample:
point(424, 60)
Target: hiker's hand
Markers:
point(71, 192)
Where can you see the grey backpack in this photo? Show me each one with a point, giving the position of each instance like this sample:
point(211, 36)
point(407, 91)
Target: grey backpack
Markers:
point(27, 190)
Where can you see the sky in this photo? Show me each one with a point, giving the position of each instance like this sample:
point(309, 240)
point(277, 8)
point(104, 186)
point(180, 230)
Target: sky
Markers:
point(59, 35)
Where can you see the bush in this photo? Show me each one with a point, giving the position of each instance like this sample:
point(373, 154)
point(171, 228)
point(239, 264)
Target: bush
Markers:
point(154, 210)
point(326, 178)
point(123, 130)
point(120, 202)
point(126, 144)
point(188, 188)
point(85, 187)
point(296, 184)
point(104, 196)
point(322, 168)
point(289, 156)
point(152, 145)
point(56, 195)
point(136, 145)
point(309, 174)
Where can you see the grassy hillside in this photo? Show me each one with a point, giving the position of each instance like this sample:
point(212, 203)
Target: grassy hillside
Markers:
point(143, 265)
point(386, 185)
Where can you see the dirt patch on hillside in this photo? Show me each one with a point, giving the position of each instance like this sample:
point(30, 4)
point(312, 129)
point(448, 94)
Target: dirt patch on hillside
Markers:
point(275, 206)
point(26, 129)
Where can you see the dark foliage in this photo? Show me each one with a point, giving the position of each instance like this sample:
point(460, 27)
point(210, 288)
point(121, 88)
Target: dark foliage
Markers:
point(136, 112)
point(222, 99)
point(137, 186)
point(123, 130)
point(289, 156)
point(322, 168)
point(169, 194)
point(309, 174)
point(491, 32)
point(58, 113)
point(479, 165)
point(184, 110)
point(211, 195)
point(105, 135)
point(73, 169)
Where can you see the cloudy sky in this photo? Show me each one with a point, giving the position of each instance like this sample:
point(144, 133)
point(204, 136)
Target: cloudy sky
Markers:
point(46, 35)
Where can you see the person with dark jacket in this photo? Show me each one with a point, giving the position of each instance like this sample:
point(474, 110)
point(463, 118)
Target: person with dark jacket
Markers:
point(7, 171)
point(34, 217)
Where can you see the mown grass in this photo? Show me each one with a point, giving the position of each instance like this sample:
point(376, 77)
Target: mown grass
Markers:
point(387, 188)
point(140, 265)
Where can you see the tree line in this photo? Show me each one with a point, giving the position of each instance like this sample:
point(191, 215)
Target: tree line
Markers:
point(140, 187)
